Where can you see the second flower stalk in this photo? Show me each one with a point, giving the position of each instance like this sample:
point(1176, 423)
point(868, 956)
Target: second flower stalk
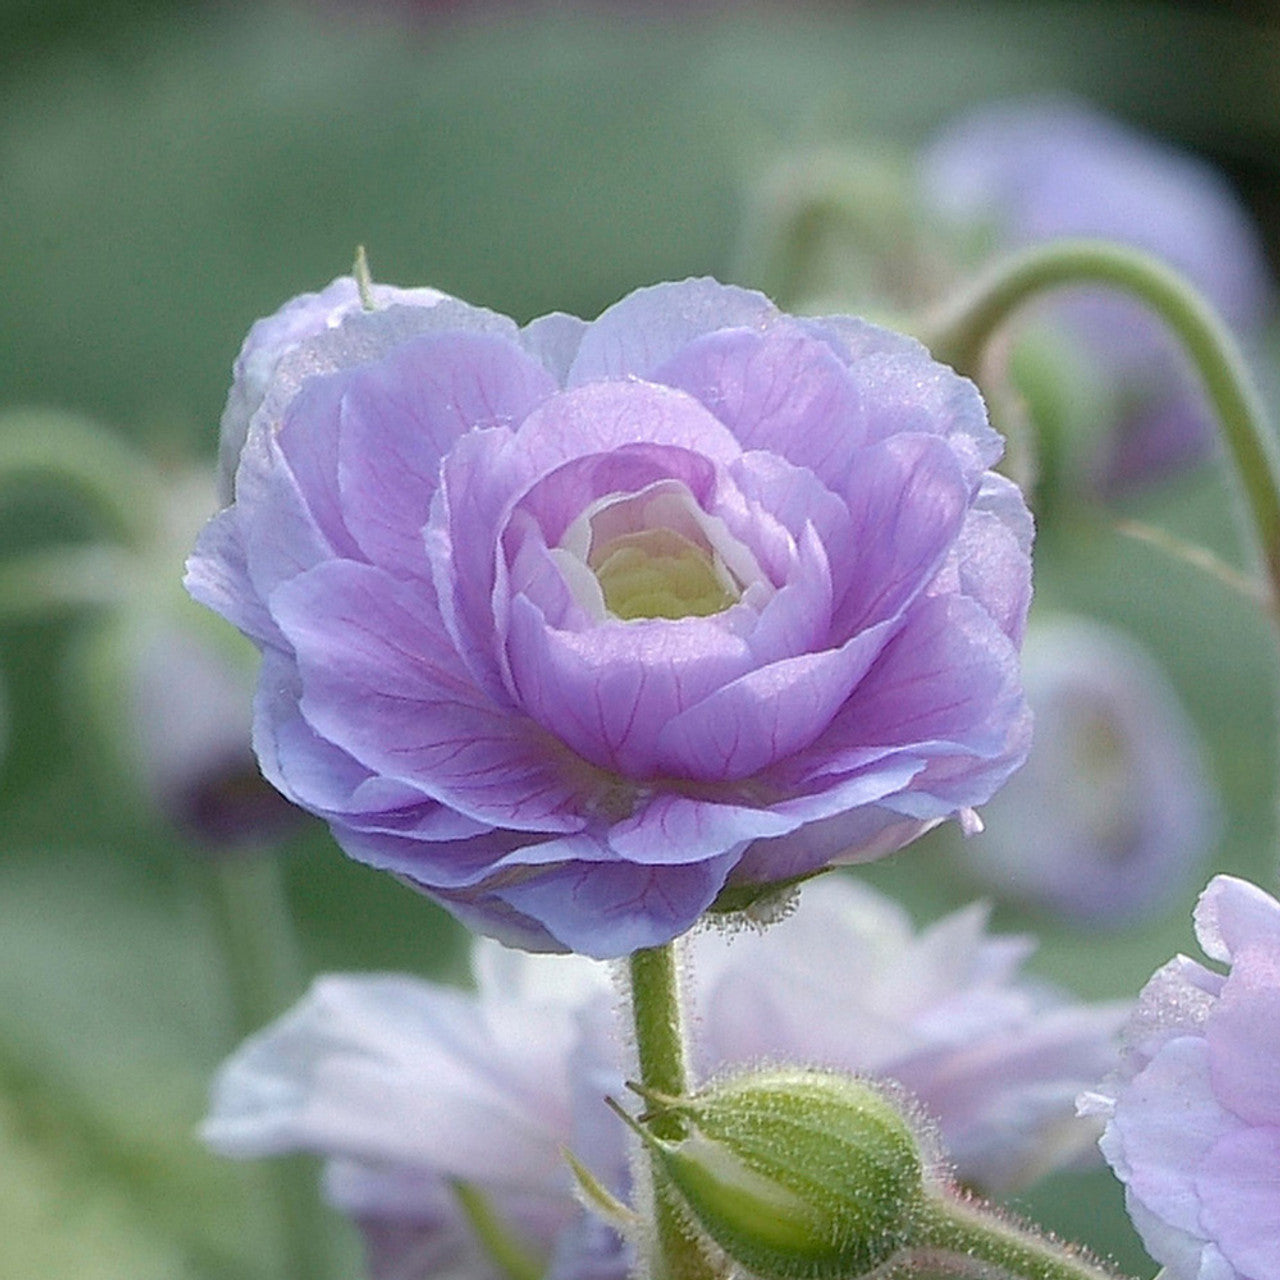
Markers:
point(791, 1173)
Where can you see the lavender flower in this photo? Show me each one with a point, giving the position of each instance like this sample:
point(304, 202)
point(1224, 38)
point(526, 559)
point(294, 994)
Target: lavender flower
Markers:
point(1193, 1116)
point(571, 625)
point(165, 695)
point(406, 1086)
point(1023, 173)
point(1113, 810)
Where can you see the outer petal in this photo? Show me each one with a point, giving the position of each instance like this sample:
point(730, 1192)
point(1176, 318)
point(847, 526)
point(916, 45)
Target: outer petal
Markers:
point(766, 715)
point(379, 681)
point(945, 687)
point(361, 337)
point(1240, 1207)
point(911, 392)
point(861, 834)
point(554, 340)
point(607, 910)
point(1162, 1145)
point(321, 777)
point(272, 338)
point(1243, 1033)
point(281, 535)
point(401, 416)
point(218, 577)
point(992, 555)
point(779, 391)
point(641, 333)
point(344, 1074)
point(1233, 914)
point(907, 501)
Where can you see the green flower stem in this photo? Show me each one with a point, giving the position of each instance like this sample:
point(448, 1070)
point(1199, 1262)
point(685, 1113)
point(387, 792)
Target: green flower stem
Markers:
point(953, 1228)
point(246, 900)
point(959, 335)
point(659, 1031)
point(64, 580)
point(119, 486)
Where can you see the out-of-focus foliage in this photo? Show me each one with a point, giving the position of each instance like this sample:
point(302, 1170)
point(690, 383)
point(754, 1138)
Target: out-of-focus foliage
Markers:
point(169, 173)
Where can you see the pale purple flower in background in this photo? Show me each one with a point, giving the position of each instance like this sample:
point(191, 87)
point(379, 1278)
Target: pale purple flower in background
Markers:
point(1113, 811)
point(404, 1085)
point(573, 625)
point(1025, 173)
point(165, 696)
point(1193, 1116)
point(186, 702)
point(846, 982)
point(407, 1086)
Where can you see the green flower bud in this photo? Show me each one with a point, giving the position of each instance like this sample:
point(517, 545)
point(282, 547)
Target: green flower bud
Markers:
point(793, 1172)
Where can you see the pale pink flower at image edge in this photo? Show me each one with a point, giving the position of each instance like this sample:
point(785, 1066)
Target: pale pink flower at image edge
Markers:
point(1193, 1116)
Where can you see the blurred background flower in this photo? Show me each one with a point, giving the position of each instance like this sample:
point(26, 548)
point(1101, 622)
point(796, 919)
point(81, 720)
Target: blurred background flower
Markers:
point(407, 1088)
point(1113, 815)
point(1193, 1114)
point(1020, 173)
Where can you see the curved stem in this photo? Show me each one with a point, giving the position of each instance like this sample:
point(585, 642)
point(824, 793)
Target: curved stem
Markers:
point(951, 1227)
point(117, 483)
point(962, 329)
point(659, 1030)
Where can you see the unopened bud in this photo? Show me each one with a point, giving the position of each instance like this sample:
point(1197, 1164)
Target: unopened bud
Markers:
point(792, 1172)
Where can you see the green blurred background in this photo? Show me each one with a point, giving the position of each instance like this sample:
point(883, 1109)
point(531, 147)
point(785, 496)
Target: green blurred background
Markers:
point(169, 172)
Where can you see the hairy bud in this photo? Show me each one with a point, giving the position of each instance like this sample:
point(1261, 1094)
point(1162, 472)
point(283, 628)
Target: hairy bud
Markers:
point(793, 1172)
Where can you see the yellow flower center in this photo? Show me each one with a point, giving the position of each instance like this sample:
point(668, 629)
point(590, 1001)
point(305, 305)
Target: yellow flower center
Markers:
point(655, 553)
point(658, 573)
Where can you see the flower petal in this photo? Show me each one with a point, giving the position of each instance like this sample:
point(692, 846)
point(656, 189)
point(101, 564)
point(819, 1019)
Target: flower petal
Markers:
point(641, 333)
point(400, 417)
point(608, 691)
point(1161, 1145)
point(1238, 1183)
point(1233, 914)
point(607, 910)
point(780, 391)
point(946, 686)
point(218, 577)
point(378, 681)
point(344, 1075)
point(766, 715)
point(907, 500)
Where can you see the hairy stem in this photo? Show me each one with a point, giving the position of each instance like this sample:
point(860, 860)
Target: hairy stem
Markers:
point(957, 1230)
point(659, 1032)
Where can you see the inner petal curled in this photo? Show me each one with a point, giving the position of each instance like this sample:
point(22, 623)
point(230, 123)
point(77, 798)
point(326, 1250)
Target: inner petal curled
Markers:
point(655, 553)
